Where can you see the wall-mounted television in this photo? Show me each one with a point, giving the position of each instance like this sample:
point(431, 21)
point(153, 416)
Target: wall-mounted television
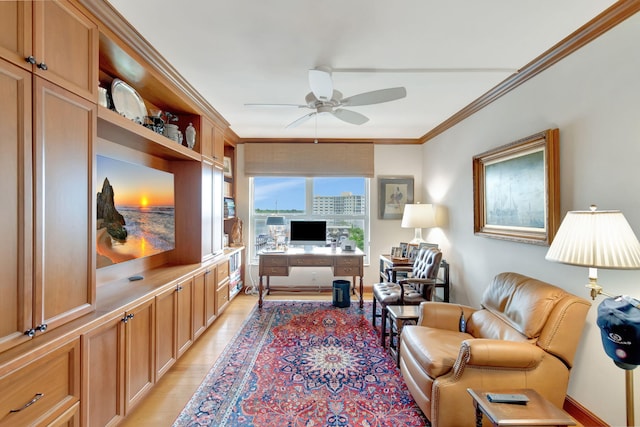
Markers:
point(308, 233)
point(135, 212)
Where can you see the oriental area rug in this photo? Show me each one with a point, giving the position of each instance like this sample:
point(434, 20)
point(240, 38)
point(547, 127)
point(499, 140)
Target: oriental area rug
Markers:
point(303, 364)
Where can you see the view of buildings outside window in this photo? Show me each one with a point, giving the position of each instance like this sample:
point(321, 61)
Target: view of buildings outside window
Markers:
point(341, 201)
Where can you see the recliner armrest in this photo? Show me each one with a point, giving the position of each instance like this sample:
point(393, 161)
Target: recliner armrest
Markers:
point(499, 353)
point(443, 315)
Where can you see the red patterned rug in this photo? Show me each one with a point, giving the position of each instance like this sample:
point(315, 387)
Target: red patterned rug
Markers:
point(304, 363)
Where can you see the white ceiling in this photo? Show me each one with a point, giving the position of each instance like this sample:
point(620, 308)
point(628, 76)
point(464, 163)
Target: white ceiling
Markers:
point(446, 54)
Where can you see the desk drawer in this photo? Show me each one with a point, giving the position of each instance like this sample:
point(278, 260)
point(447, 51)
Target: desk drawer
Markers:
point(346, 271)
point(351, 261)
point(267, 270)
point(273, 260)
point(311, 261)
point(42, 389)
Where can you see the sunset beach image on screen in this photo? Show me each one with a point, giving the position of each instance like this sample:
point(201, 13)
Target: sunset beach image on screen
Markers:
point(135, 212)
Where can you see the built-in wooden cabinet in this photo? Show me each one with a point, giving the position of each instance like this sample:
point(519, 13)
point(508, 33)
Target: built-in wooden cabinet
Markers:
point(32, 38)
point(112, 339)
point(46, 179)
point(118, 364)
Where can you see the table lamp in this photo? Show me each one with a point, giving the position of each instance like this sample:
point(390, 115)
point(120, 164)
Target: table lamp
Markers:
point(598, 239)
point(418, 216)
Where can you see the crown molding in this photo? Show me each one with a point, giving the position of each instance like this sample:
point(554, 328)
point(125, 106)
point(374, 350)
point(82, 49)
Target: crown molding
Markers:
point(602, 23)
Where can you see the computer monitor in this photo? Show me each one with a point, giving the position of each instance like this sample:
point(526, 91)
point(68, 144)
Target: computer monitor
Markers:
point(308, 233)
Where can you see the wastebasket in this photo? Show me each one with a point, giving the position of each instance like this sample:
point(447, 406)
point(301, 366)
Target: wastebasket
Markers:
point(341, 290)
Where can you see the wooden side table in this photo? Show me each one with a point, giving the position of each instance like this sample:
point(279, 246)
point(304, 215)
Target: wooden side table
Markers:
point(399, 315)
point(537, 412)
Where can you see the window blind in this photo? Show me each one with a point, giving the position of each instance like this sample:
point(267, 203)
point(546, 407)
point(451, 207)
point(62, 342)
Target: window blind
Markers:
point(308, 159)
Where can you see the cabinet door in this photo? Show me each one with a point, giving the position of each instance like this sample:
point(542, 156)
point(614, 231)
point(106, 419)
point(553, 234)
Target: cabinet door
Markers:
point(102, 354)
point(139, 352)
point(64, 256)
point(166, 321)
point(71, 56)
point(218, 210)
point(211, 288)
point(15, 32)
point(199, 304)
point(185, 315)
point(207, 209)
point(218, 145)
point(16, 209)
point(207, 138)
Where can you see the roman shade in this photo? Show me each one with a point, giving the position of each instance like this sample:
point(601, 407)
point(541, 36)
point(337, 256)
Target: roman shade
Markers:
point(308, 159)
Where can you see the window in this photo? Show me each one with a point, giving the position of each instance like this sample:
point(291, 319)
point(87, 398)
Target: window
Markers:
point(341, 201)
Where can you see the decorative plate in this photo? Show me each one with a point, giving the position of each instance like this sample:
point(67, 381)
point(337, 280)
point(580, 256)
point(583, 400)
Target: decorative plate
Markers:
point(127, 102)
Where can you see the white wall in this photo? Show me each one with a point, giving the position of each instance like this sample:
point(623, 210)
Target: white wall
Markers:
point(593, 97)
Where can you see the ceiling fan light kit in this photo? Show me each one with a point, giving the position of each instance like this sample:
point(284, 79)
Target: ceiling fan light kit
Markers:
point(324, 99)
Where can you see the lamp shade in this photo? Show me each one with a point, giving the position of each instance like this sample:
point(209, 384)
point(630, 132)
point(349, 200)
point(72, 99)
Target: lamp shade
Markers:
point(418, 216)
point(596, 239)
point(275, 220)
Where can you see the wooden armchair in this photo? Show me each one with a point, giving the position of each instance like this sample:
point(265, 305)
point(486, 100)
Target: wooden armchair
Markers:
point(410, 291)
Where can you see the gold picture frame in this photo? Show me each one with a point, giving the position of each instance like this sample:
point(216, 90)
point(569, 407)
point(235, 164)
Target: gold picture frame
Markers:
point(516, 190)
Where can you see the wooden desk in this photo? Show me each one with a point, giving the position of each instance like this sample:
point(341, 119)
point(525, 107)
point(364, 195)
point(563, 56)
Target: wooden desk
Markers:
point(386, 262)
point(537, 412)
point(341, 262)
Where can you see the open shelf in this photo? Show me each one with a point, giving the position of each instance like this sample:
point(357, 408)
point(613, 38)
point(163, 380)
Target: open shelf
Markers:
point(116, 128)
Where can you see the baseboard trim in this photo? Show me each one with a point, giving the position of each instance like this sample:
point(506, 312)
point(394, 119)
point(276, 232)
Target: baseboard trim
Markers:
point(582, 414)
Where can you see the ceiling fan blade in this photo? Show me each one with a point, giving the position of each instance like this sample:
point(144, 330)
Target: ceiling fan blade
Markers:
point(375, 97)
point(321, 83)
point(350, 116)
point(301, 120)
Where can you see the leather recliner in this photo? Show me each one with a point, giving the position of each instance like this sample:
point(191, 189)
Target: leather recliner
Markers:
point(524, 336)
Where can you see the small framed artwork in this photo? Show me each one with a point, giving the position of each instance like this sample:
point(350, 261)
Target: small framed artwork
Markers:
point(403, 249)
point(393, 194)
point(228, 171)
point(427, 245)
point(412, 251)
point(516, 190)
point(396, 252)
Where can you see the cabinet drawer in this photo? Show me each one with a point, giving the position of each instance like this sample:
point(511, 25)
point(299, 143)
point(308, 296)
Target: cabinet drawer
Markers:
point(346, 271)
point(352, 261)
point(275, 261)
point(222, 271)
point(311, 261)
point(43, 389)
point(222, 297)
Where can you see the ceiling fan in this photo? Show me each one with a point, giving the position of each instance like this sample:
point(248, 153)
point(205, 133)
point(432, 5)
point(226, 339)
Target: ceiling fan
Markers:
point(324, 99)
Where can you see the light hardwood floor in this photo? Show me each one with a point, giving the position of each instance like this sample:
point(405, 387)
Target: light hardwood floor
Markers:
point(167, 398)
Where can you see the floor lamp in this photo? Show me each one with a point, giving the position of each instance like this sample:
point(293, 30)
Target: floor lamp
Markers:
point(599, 239)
